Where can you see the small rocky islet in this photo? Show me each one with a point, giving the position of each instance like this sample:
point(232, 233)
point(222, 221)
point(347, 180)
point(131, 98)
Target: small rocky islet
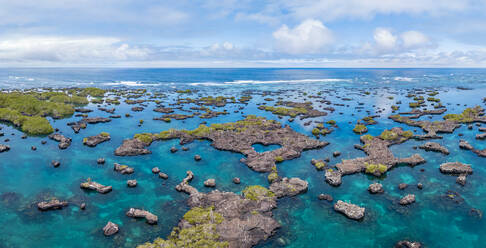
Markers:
point(233, 211)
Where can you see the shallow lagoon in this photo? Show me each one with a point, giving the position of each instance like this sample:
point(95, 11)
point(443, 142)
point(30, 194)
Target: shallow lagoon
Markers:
point(27, 175)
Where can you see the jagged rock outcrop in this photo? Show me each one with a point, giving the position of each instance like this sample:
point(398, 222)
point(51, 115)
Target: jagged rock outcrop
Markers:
point(407, 200)
point(123, 169)
point(4, 148)
point(110, 228)
point(150, 218)
point(407, 244)
point(288, 187)
point(350, 210)
point(432, 128)
point(435, 147)
point(466, 146)
point(132, 147)
point(379, 158)
point(93, 141)
point(375, 188)
point(164, 110)
point(51, 205)
point(237, 137)
point(64, 142)
point(227, 219)
point(455, 168)
point(94, 120)
point(91, 185)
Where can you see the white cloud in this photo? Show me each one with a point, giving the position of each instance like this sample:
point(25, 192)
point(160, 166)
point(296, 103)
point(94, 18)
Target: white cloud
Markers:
point(414, 39)
point(68, 49)
point(311, 36)
point(384, 39)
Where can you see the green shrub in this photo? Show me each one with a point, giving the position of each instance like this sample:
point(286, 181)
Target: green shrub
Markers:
point(374, 168)
point(279, 159)
point(144, 137)
point(360, 128)
point(388, 135)
point(257, 192)
point(200, 215)
point(104, 134)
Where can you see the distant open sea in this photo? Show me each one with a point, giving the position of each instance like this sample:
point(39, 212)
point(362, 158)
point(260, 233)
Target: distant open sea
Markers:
point(27, 176)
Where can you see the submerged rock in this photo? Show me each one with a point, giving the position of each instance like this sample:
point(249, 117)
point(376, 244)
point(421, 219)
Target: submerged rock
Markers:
point(100, 161)
point(110, 228)
point(325, 197)
point(408, 199)
point(138, 213)
point(51, 205)
point(197, 157)
point(350, 210)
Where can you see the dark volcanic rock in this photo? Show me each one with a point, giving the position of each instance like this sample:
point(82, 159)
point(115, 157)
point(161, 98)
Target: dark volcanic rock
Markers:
point(375, 188)
point(55, 163)
point(197, 157)
point(435, 147)
point(288, 187)
point(94, 120)
point(407, 244)
point(93, 141)
point(110, 228)
point(83, 110)
point(91, 185)
point(244, 220)
point(51, 205)
point(131, 147)
point(123, 169)
point(456, 168)
point(239, 137)
point(100, 161)
point(408, 199)
point(132, 183)
point(378, 153)
point(139, 213)
point(64, 142)
point(4, 148)
point(350, 210)
point(325, 197)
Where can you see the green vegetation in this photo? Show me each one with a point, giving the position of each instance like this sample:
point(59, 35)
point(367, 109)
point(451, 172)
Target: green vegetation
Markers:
point(395, 107)
point(388, 135)
point(279, 159)
point(188, 91)
point(369, 120)
point(360, 128)
point(316, 131)
point(245, 99)
point(414, 104)
point(320, 165)
point(199, 215)
point(28, 110)
point(257, 192)
point(467, 116)
point(367, 137)
point(292, 112)
point(374, 168)
point(331, 122)
point(201, 234)
point(91, 91)
point(144, 137)
point(273, 175)
point(407, 134)
point(432, 99)
point(105, 134)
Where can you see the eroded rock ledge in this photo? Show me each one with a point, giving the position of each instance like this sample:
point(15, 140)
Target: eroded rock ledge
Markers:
point(435, 147)
point(237, 137)
point(466, 146)
point(64, 142)
point(226, 219)
point(93, 141)
point(379, 160)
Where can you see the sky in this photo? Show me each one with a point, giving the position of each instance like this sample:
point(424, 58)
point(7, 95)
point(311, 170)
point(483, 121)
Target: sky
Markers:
point(243, 33)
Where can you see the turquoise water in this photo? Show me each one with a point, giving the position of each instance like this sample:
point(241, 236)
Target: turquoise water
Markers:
point(26, 176)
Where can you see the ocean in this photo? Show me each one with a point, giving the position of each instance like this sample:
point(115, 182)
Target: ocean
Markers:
point(27, 176)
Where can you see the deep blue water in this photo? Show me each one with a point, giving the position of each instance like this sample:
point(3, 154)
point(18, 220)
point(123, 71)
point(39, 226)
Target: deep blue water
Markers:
point(27, 176)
